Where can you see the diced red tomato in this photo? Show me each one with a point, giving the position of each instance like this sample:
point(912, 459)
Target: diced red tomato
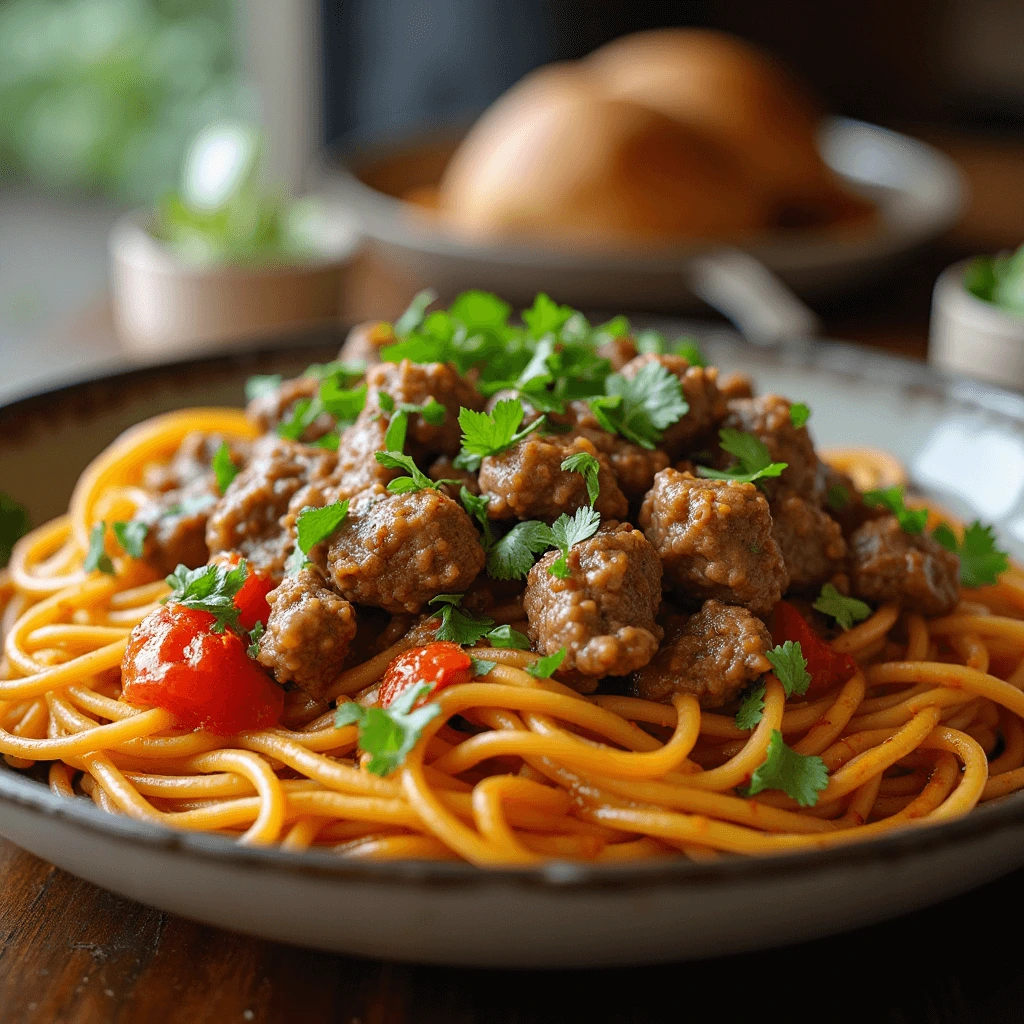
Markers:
point(441, 663)
point(175, 661)
point(827, 667)
point(251, 600)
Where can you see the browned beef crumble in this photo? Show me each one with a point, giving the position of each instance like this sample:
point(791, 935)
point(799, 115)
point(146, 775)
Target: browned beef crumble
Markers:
point(811, 542)
point(267, 411)
point(365, 341)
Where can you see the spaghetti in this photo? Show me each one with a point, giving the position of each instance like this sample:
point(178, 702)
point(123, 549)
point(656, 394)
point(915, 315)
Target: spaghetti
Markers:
point(930, 725)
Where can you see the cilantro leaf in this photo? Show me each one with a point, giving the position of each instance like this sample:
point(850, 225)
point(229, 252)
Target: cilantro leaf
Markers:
point(458, 626)
point(131, 536)
point(506, 636)
point(313, 525)
point(223, 468)
point(344, 404)
point(476, 505)
point(566, 532)
point(546, 316)
point(262, 385)
point(416, 480)
point(330, 441)
point(394, 436)
point(752, 708)
point(799, 414)
point(790, 667)
point(210, 588)
point(511, 557)
point(586, 465)
point(640, 408)
point(545, 668)
point(255, 636)
point(981, 562)
point(845, 610)
point(344, 373)
point(388, 734)
point(14, 524)
point(655, 342)
point(415, 314)
point(299, 419)
point(892, 499)
point(96, 557)
point(754, 461)
point(484, 434)
point(481, 666)
point(690, 351)
point(800, 776)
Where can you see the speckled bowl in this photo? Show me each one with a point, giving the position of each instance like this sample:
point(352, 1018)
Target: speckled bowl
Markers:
point(962, 442)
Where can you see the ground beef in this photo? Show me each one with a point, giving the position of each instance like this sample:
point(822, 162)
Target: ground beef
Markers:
point(700, 389)
point(191, 462)
point(396, 551)
point(365, 341)
point(634, 467)
point(735, 385)
point(618, 352)
point(811, 542)
point(603, 612)
point(527, 482)
point(266, 411)
point(768, 418)
point(713, 655)
point(281, 478)
point(841, 499)
point(358, 467)
point(308, 632)
point(714, 538)
point(415, 383)
point(442, 469)
point(887, 564)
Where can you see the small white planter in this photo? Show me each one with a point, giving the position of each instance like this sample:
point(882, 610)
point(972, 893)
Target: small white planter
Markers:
point(974, 337)
point(161, 302)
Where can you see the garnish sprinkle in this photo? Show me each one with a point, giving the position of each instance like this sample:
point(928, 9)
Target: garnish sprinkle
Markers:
point(981, 562)
point(223, 468)
point(911, 521)
point(313, 525)
point(800, 776)
point(465, 629)
point(845, 610)
point(476, 505)
point(481, 666)
point(416, 480)
point(754, 461)
point(131, 536)
point(255, 636)
point(799, 414)
point(484, 434)
point(511, 557)
point(566, 531)
point(506, 636)
point(96, 557)
point(589, 468)
point(641, 407)
point(210, 588)
point(751, 708)
point(545, 668)
point(790, 667)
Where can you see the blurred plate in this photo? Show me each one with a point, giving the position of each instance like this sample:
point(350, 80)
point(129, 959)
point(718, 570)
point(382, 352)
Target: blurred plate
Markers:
point(919, 193)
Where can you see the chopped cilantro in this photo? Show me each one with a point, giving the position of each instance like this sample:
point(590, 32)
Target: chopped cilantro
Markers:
point(96, 557)
point(845, 610)
point(754, 461)
point(891, 498)
point(300, 418)
point(313, 525)
point(476, 505)
point(210, 588)
point(640, 408)
point(458, 626)
point(484, 434)
point(790, 667)
point(546, 316)
point(262, 385)
point(481, 666)
point(394, 436)
point(388, 734)
point(416, 480)
point(131, 536)
point(800, 776)
point(415, 314)
point(799, 414)
point(617, 327)
point(330, 441)
point(223, 468)
point(344, 404)
point(14, 524)
point(566, 531)
point(343, 373)
point(255, 636)
point(506, 636)
point(981, 562)
point(690, 351)
point(545, 668)
point(589, 468)
point(655, 342)
point(751, 708)
point(838, 497)
point(511, 557)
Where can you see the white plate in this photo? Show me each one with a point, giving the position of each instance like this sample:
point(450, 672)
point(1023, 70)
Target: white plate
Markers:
point(963, 442)
point(919, 193)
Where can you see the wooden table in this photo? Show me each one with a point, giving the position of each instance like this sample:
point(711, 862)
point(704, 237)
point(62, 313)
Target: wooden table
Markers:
point(70, 952)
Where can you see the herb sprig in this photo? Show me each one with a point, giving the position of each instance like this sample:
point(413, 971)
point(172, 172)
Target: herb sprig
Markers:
point(753, 459)
point(642, 407)
point(845, 610)
point(981, 561)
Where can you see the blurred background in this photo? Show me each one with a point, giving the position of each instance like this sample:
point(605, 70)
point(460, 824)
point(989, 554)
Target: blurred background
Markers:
point(101, 99)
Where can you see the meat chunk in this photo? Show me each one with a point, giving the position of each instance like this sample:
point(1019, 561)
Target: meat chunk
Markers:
point(712, 655)
point(634, 467)
point(841, 499)
point(735, 385)
point(308, 632)
point(714, 538)
point(358, 467)
point(811, 542)
point(768, 418)
point(603, 612)
point(618, 351)
point(527, 482)
point(416, 383)
point(700, 389)
point(397, 551)
point(888, 564)
point(442, 469)
point(268, 410)
point(191, 462)
point(365, 341)
point(281, 478)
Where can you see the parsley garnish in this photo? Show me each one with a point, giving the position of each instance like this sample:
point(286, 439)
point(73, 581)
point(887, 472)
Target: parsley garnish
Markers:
point(640, 408)
point(301, 417)
point(838, 497)
point(255, 636)
point(566, 532)
point(799, 414)
point(388, 734)
point(752, 708)
point(223, 468)
point(511, 557)
point(96, 557)
point(481, 666)
point(415, 314)
point(14, 524)
point(845, 610)
point(313, 525)
point(344, 404)
point(131, 536)
point(790, 667)
point(484, 434)
point(262, 385)
point(800, 776)
point(656, 343)
point(506, 636)
point(545, 668)
point(460, 627)
point(343, 373)
point(891, 498)
point(589, 468)
point(416, 480)
point(476, 505)
point(546, 316)
point(981, 562)
point(210, 588)
point(754, 461)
